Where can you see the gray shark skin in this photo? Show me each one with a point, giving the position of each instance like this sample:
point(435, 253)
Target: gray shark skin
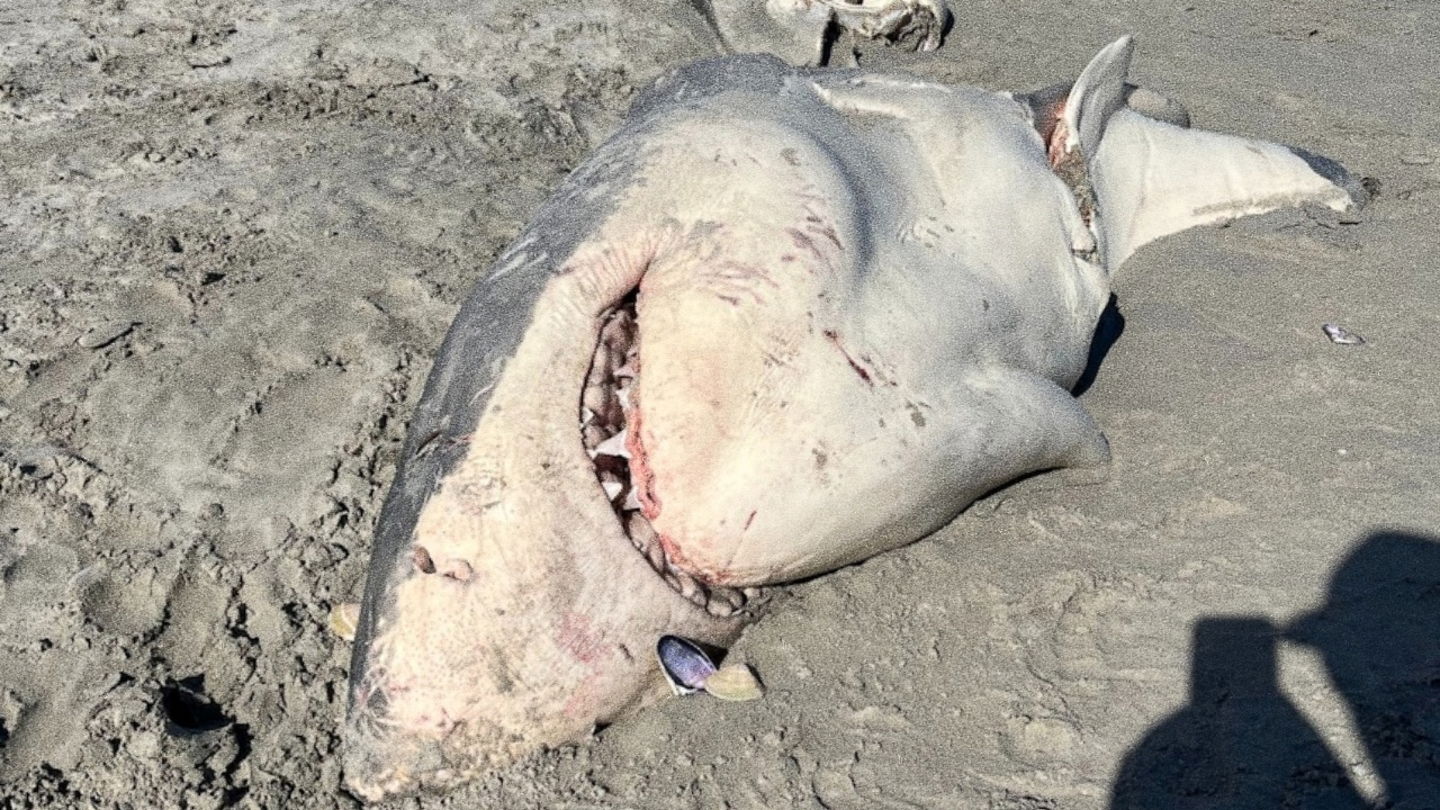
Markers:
point(782, 321)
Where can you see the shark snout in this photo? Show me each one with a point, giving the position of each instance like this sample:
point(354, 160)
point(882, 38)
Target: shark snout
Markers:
point(378, 764)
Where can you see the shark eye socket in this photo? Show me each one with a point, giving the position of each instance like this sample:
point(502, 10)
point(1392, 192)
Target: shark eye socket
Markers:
point(420, 558)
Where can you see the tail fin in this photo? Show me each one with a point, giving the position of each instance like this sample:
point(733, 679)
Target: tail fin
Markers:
point(1152, 179)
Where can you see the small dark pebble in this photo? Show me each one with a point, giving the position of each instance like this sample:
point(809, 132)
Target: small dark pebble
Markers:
point(98, 337)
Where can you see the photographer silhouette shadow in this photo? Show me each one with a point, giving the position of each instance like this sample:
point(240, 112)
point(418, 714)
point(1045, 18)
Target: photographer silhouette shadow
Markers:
point(1240, 743)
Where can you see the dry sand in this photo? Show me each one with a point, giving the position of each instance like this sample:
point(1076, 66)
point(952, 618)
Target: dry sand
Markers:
point(232, 233)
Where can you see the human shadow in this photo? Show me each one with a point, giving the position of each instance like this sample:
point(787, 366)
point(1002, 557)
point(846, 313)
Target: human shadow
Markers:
point(1241, 744)
point(1379, 634)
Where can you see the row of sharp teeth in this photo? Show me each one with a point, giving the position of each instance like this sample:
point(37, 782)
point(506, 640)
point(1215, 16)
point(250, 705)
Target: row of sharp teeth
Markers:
point(604, 413)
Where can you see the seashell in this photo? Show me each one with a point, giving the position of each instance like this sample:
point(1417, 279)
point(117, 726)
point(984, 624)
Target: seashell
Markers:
point(734, 682)
point(689, 669)
point(1341, 335)
point(686, 666)
point(343, 619)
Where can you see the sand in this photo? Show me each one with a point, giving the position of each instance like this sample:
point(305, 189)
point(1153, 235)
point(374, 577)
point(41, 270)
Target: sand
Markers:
point(232, 233)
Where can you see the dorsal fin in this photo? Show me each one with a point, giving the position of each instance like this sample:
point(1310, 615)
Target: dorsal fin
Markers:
point(1094, 97)
point(1047, 108)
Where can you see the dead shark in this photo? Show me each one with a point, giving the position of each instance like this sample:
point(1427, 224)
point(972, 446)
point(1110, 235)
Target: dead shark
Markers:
point(782, 321)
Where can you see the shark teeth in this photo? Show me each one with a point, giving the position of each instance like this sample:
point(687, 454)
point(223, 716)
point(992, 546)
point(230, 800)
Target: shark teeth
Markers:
point(606, 401)
point(614, 446)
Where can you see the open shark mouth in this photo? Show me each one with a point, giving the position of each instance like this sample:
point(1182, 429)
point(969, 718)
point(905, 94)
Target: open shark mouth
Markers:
point(610, 431)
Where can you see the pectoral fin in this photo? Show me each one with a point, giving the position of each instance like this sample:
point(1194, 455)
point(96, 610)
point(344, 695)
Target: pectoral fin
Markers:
point(1031, 424)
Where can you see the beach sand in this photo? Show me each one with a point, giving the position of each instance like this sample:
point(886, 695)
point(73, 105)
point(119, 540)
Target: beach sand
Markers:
point(233, 232)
